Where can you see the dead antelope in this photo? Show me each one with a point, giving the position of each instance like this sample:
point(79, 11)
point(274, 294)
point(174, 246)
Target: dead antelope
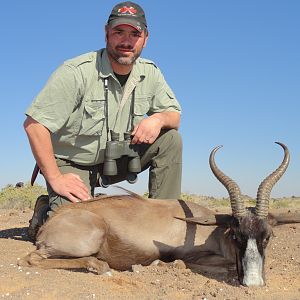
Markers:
point(120, 231)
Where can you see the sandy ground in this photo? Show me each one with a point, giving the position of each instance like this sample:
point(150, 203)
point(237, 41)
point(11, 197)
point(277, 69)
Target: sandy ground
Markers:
point(167, 282)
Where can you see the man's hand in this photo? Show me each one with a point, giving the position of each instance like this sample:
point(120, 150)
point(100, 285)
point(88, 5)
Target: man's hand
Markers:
point(70, 186)
point(147, 130)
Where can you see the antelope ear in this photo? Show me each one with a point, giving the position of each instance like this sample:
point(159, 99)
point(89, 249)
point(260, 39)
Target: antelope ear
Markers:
point(209, 220)
point(285, 218)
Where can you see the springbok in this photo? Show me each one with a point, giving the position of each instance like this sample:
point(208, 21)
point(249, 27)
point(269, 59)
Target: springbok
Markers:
point(120, 231)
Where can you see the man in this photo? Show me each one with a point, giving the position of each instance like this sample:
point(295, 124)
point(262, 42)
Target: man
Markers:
point(91, 97)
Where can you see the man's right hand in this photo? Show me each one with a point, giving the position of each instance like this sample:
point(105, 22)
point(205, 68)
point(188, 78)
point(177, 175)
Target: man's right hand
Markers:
point(70, 186)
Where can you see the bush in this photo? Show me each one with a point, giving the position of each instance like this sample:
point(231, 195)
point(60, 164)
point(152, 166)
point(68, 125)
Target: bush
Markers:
point(20, 197)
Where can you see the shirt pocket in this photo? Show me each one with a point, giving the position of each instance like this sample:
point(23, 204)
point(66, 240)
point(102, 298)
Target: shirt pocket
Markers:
point(93, 117)
point(141, 105)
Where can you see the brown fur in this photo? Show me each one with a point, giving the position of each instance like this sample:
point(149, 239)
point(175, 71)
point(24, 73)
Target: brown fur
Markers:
point(120, 231)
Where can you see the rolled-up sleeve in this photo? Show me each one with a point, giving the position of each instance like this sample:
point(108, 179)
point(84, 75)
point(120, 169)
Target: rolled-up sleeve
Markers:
point(163, 97)
point(56, 101)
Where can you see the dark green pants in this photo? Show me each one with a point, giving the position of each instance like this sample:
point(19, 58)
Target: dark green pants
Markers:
point(163, 159)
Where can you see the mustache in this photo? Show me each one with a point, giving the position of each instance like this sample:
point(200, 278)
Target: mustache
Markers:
point(124, 46)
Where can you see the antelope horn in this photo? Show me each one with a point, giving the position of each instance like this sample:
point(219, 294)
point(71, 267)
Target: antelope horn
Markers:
point(264, 189)
point(237, 204)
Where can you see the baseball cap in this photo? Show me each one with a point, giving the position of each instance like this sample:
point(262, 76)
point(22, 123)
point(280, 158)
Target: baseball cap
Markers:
point(128, 13)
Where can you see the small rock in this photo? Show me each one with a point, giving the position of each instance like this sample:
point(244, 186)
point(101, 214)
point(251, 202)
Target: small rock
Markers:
point(179, 264)
point(137, 268)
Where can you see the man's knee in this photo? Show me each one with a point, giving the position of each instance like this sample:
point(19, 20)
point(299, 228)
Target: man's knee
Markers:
point(55, 200)
point(176, 140)
point(55, 203)
point(172, 143)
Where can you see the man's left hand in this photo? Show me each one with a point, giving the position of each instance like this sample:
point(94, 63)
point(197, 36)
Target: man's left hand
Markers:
point(147, 130)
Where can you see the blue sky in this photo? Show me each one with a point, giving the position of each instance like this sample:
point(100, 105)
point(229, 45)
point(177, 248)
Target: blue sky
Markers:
point(233, 65)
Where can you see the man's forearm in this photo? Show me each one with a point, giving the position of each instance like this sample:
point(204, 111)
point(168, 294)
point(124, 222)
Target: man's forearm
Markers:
point(69, 185)
point(168, 119)
point(41, 146)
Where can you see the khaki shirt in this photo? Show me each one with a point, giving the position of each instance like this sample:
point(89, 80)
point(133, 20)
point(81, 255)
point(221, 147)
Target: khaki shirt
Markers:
point(72, 105)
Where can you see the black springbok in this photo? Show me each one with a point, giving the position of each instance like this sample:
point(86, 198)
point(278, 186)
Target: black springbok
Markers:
point(120, 231)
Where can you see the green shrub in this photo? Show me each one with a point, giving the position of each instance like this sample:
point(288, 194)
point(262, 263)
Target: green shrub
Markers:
point(20, 197)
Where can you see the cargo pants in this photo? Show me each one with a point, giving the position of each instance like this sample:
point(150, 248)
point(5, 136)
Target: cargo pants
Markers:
point(163, 158)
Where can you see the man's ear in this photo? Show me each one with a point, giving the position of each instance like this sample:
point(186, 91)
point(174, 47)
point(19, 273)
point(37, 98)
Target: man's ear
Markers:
point(146, 38)
point(221, 219)
point(106, 33)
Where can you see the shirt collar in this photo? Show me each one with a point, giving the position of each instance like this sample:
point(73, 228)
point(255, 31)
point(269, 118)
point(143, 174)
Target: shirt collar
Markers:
point(105, 69)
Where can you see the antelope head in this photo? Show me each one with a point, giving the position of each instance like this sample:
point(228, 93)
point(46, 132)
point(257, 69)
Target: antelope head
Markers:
point(249, 228)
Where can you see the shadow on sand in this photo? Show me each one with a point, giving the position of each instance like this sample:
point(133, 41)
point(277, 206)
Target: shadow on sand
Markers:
point(19, 234)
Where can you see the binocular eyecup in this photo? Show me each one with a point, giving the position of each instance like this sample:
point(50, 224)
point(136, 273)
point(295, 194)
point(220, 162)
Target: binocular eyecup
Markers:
point(116, 149)
point(105, 181)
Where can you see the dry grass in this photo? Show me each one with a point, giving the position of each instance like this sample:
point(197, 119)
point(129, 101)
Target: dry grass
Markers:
point(24, 197)
point(211, 202)
point(20, 197)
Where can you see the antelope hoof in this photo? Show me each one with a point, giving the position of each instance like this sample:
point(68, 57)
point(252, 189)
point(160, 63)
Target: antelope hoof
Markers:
point(97, 266)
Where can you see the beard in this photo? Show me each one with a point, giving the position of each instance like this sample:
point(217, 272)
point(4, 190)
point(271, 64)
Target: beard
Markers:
point(122, 58)
point(126, 60)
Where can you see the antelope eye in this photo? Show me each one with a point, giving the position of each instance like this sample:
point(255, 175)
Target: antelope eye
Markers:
point(266, 240)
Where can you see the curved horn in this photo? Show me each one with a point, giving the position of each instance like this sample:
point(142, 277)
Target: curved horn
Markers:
point(237, 204)
point(264, 189)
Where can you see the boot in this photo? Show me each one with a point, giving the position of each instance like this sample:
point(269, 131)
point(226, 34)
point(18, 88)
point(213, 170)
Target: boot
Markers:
point(39, 216)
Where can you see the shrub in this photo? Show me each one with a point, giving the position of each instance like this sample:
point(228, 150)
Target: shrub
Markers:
point(19, 198)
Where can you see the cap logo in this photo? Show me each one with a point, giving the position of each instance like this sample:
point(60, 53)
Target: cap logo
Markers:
point(125, 9)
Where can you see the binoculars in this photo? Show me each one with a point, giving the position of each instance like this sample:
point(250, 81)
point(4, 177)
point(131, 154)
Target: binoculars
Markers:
point(116, 149)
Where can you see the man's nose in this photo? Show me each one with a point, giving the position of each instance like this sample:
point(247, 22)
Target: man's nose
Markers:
point(127, 37)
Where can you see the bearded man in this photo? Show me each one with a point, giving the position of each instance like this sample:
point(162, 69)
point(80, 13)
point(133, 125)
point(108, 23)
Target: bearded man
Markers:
point(95, 100)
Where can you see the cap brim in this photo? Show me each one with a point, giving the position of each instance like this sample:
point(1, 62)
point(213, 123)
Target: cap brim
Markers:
point(126, 21)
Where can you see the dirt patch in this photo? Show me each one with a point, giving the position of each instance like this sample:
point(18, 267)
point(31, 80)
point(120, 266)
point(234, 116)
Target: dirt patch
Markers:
point(166, 282)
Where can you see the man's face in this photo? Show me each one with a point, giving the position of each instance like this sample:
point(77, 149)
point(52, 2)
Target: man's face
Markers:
point(124, 43)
